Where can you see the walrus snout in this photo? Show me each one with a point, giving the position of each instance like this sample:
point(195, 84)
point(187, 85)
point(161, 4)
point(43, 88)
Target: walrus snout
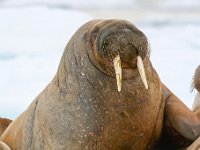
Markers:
point(119, 49)
point(124, 43)
point(129, 54)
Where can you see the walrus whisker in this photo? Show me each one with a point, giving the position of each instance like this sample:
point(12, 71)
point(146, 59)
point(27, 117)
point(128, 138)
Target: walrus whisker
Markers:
point(118, 72)
point(141, 70)
point(117, 53)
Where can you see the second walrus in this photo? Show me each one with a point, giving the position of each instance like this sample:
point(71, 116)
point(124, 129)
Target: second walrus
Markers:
point(105, 95)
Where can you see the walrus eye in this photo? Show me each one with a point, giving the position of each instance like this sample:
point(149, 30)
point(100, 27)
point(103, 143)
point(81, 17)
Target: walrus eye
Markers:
point(141, 70)
point(118, 72)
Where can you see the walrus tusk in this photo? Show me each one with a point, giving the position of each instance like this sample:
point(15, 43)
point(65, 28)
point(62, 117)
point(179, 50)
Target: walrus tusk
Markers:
point(118, 72)
point(141, 70)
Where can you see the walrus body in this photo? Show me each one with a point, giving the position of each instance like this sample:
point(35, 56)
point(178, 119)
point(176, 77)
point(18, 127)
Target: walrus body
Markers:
point(81, 107)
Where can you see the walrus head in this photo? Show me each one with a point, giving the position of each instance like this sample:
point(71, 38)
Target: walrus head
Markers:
point(118, 50)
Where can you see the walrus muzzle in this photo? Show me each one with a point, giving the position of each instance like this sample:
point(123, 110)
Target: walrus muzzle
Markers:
point(118, 71)
point(120, 49)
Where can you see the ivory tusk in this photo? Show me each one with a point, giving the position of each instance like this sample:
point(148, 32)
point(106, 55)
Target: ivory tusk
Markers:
point(118, 72)
point(141, 70)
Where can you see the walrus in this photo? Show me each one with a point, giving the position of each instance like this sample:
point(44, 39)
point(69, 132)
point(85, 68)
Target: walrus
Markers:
point(105, 95)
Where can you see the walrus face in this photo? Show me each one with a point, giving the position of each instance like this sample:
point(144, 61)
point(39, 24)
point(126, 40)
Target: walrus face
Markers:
point(119, 49)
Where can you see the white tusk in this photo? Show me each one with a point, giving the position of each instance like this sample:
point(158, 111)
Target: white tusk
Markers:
point(141, 70)
point(118, 72)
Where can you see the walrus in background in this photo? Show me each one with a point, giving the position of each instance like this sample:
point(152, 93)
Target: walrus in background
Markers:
point(196, 104)
point(105, 95)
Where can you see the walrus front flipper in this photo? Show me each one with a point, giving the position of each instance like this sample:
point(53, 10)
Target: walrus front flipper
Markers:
point(4, 146)
point(4, 123)
point(195, 145)
point(180, 118)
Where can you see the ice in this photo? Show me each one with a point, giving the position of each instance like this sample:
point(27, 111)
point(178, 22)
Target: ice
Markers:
point(175, 55)
point(78, 4)
point(106, 4)
point(32, 42)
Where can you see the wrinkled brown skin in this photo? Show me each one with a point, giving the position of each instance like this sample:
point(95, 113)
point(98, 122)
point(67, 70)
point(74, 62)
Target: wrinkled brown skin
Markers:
point(82, 109)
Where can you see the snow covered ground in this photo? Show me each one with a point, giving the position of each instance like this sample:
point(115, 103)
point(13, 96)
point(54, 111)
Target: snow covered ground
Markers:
point(31, 43)
point(33, 36)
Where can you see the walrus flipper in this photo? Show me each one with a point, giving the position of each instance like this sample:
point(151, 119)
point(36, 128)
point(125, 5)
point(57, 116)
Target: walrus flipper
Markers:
point(4, 146)
point(16, 130)
point(4, 123)
point(183, 123)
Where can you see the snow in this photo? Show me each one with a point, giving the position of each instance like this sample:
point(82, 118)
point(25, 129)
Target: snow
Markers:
point(175, 55)
point(33, 35)
point(106, 4)
point(78, 4)
point(32, 42)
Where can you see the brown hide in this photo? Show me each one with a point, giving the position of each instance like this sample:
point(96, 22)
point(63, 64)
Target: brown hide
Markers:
point(4, 123)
